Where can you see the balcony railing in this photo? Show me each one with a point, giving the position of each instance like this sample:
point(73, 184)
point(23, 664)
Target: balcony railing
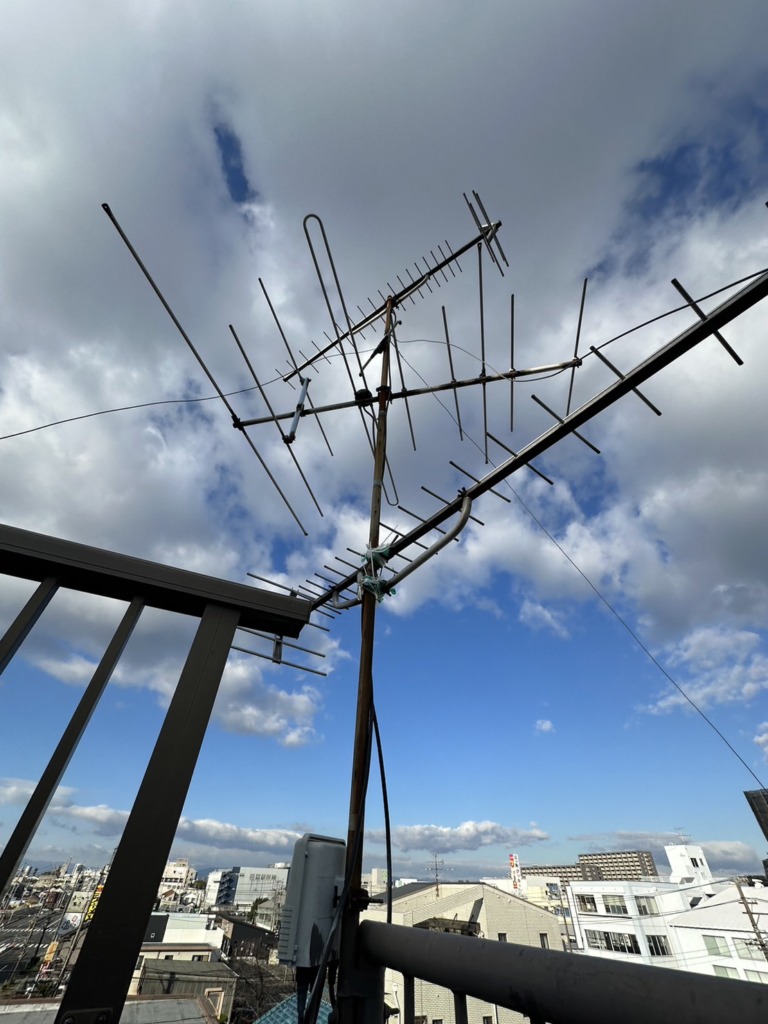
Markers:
point(101, 976)
point(548, 986)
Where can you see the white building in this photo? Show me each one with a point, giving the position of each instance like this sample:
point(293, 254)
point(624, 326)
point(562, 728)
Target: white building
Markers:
point(178, 874)
point(239, 888)
point(212, 887)
point(473, 909)
point(693, 922)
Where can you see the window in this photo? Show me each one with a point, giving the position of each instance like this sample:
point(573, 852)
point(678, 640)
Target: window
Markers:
point(694, 862)
point(761, 977)
point(197, 959)
point(139, 962)
point(716, 945)
point(646, 905)
point(168, 956)
point(746, 950)
point(726, 972)
point(487, 1020)
point(502, 936)
point(615, 905)
point(544, 940)
point(586, 903)
point(614, 942)
point(658, 945)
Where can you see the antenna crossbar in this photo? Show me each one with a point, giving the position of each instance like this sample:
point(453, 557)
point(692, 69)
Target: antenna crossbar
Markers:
point(406, 393)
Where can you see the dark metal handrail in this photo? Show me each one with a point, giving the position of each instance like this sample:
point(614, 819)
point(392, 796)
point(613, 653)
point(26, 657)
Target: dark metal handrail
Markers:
point(561, 988)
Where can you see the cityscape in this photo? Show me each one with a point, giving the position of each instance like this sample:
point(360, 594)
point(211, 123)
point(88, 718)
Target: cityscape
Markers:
point(220, 930)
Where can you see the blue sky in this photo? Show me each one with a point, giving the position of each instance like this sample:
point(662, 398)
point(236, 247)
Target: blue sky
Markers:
point(518, 713)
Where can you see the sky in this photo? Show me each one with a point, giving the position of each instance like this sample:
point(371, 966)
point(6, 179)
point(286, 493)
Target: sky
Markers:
point(525, 675)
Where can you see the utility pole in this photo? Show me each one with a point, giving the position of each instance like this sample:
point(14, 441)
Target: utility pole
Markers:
point(759, 936)
point(436, 865)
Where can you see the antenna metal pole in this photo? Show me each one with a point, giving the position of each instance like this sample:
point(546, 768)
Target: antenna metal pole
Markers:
point(349, 995)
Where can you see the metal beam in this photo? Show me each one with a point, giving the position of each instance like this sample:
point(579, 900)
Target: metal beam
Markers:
point(96, 571)
point(100, 979)
point(562, 988)
point(38, 803)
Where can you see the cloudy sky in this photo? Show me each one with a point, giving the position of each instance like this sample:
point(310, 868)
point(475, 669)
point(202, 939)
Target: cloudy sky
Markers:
point(523, 676)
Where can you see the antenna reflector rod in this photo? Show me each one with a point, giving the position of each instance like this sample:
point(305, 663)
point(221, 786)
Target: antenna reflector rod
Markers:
point(477, 481)
point(513, 453)
point(703, 316)
point(620, 375)
point(559, 419)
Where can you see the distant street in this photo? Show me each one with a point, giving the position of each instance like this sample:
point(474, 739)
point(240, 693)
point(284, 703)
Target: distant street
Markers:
point(21, 930)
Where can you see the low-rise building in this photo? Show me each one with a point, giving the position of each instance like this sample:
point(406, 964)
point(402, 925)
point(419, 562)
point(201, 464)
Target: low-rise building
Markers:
point(472, 909)
point(212, 981)
point(717, 937)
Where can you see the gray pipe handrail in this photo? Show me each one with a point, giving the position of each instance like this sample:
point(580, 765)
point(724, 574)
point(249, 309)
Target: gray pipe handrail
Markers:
point(562, 988)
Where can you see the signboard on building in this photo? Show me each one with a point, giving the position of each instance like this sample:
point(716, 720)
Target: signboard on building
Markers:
point(514, 871)
point(88, 917)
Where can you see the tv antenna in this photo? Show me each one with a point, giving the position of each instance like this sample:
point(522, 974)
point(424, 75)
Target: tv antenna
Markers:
point(368, 582)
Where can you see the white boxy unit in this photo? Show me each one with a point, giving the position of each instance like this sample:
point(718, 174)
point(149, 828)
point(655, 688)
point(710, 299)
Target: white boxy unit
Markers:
point(315, 881)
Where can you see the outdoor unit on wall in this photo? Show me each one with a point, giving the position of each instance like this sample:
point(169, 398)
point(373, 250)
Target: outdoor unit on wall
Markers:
point(315, 881)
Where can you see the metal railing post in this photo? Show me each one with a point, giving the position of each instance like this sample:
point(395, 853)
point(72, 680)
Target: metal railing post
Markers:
point(409, 999)
point(101, 977)
point(460, 1008)
point(17, 632)
point(38, 803)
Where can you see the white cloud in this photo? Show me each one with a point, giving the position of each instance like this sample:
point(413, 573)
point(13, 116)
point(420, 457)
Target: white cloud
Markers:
point(537, 616)
point(102, 820)
point(761, 738)
point(14, 791)
point(732, 856)
point(207, 832)
point(470, 835)
point(717, 666)
point(544, 725)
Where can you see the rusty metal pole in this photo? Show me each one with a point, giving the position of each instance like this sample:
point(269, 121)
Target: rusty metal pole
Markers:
point(354, 987)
